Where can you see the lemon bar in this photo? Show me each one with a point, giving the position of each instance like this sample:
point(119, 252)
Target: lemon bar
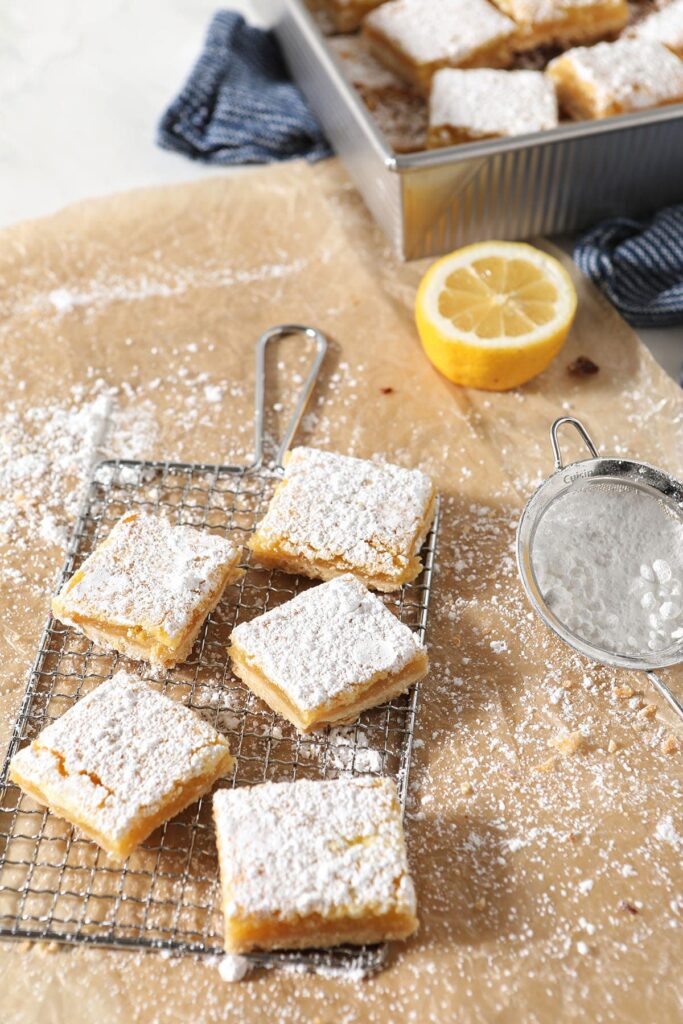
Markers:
point(327, 655)
point(146, 590)
point(614, 78)
point(120, 762)
point(417, 37)
point(347, 15)
point(563, 22)
point(399, 112)
point(332, 514)
point(312, 863)
point(482, 103)
point(664, 26)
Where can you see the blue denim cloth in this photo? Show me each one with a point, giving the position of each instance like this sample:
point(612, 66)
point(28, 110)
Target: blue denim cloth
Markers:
point(239, 104)
point(638, 265)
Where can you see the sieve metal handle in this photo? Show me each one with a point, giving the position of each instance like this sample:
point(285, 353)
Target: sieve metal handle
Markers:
point(580, 429)
point(283, 330)
point(664, 691)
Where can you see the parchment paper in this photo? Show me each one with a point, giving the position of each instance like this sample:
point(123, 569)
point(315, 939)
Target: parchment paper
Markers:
point(544, 895)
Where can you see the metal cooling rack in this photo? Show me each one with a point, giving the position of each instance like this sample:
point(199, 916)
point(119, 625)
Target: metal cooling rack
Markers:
point(57, 885)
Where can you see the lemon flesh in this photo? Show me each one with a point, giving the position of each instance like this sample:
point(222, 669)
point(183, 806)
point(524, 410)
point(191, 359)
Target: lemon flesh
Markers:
point(493, 315)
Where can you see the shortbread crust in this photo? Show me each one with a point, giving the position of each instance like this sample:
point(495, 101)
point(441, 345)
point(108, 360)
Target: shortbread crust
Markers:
point(122, 761)
point(332, 514)
point(313, 863)
point(327, 655)
point(146, 590)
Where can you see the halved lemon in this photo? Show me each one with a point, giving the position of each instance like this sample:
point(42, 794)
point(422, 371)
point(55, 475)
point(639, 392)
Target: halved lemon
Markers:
point(494, 314)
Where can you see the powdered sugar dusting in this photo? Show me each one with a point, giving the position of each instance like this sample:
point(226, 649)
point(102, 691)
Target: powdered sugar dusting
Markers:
point(609, 563)
point(333, 848)
point(350, 512)
point(664, 26)
point(632, 74)
point(441, 30)
point(330, 639)
point(149, 573)
point(483, 102)
point(119, 753)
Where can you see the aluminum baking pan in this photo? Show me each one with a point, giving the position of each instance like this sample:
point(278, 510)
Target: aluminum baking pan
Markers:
point(548, 183)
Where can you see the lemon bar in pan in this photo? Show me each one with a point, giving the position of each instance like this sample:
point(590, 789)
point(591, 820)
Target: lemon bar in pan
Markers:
point(146, 590)
point(312, 863)
point(120, 762)
point(563, 22)
point(482, 103)
point(417, 37)
point(346, 15)
point(614, 78)
point(332, 514)
point(327, 655)
point(664, 26)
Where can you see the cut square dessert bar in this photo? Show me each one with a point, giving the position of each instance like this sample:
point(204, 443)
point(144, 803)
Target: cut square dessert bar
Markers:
point(614, 78)
point(664, 26)
point(486, 104)
point(333, 514)
point(312, 863)
point(346, 15)
point(146, 590)
point(417, 37)
point(120, 762)
point(563, 22)
point(327, 655)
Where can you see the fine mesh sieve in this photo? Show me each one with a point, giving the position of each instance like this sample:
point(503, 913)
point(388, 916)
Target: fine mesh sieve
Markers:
point(620, 481)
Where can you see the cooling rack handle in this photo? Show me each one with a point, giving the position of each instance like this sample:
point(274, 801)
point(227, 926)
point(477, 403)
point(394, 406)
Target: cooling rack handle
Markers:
point(283, 330)
point(580, 429)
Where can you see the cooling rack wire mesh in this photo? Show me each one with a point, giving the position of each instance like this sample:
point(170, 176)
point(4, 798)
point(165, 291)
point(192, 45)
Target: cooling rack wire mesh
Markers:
point(55, 884)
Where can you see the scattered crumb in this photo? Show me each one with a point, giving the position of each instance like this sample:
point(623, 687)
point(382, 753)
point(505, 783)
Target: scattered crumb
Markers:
point(649, 711)
point(546, 766)
point(670, 746)
point(582, 366)
point(387, 391)
point(627, 907)
point(612, 747)
point(45, 948)
point(480, 904)
point(466, 788)
point(623, 692)
point(568, 743)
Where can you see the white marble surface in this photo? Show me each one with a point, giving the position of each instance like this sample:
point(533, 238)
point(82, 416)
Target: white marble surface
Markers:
point(82, 85)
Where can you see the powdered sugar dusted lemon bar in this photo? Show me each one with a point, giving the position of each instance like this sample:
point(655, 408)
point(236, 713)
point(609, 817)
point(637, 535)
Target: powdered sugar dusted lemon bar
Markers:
point(664, 26)
point(327, 655)
point(417, 37)
point(312, 863)
point(484, 104)
point(121, 762)
point(614, 78)
point(146, 590)
point(563, 22)
point(332, 514)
